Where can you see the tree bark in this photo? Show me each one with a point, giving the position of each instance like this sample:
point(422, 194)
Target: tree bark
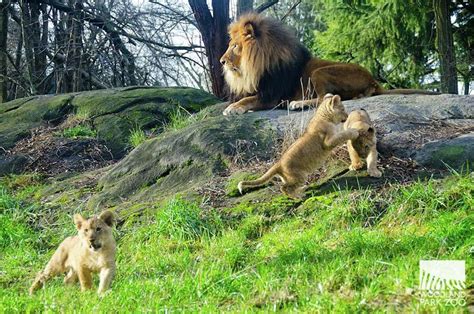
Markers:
point(244, 6)
point(447, 58)
point(213, 30)
point(3, 50)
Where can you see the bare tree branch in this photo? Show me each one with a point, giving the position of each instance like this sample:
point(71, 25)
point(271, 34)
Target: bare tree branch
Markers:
point(266, 5)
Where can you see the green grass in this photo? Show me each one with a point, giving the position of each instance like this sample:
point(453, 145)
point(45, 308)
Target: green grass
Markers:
point(137, 136)
point(181, 118)
point(79, 131)
point(346, 251)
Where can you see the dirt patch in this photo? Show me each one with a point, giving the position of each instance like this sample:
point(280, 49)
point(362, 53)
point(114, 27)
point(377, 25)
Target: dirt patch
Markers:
point(50, 154)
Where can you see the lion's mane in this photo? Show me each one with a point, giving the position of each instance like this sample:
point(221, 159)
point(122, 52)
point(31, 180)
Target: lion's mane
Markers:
point(271, 64)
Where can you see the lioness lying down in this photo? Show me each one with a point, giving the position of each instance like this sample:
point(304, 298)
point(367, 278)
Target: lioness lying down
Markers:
point(311, 150)
point(92, 250)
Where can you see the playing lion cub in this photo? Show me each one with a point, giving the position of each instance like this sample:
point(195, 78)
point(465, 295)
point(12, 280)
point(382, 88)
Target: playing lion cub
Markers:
point(92, 250)
point(311, 150)
point(365, 146)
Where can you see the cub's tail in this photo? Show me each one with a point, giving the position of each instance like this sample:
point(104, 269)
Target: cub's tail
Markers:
point(402, 91)
point(260, 181)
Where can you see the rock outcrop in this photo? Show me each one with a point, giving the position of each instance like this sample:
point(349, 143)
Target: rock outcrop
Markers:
point(410, 130)
point(416, 133)
point(111, 114)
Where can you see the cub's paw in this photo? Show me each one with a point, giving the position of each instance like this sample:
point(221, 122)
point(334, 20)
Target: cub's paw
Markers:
point(234, 109)
point(103, 293)
point(356, 166)
point(374, 173)
point(353, 134)
point(296, 105)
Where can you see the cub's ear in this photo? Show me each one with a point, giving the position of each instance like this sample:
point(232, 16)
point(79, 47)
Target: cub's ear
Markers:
point(371, 130)
point(108, 217)
point(249, 30)
point(328, 95)
point(78, 221)
point(335, 101)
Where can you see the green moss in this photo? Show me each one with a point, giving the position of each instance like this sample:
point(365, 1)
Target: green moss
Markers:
point(231, 185)
point(451, 155)
point(113, 112)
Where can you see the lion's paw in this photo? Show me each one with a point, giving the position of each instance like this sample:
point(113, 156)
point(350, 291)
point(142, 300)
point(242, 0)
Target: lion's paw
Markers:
point(374, 173)
point(234, 109)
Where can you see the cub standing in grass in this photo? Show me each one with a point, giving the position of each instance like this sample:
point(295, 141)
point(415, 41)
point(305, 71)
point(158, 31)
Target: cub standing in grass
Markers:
point(92, 250)
point(365, 146)
point(311, 150)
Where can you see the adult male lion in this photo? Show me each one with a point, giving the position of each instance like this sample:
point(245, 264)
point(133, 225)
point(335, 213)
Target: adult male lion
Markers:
point(265, 64)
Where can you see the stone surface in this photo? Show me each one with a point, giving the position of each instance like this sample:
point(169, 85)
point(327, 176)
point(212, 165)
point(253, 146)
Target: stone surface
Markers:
point(12, 165)
point(114, 112)
point(451, 153)
point(436, 132)
point(178, 161)
point(406, 124)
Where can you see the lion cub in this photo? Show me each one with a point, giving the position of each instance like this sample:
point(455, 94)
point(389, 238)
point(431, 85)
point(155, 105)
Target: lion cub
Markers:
point(365, 146)
point(311, 150)
point(92, 250)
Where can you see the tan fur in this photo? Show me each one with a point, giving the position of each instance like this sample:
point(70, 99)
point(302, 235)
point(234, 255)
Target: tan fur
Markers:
point(249, 56)
point(364, 146)
point(246, 58)
point(311, 150)
point(91, 251)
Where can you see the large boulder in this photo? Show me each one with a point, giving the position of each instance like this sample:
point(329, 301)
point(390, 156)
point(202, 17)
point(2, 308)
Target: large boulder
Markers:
point(112, 114)
point(182, 161)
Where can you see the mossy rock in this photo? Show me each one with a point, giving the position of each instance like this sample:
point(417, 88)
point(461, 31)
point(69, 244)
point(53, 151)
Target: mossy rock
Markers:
point(112, 112)
point(19, 117)
point(456, 153)
point(185, 160)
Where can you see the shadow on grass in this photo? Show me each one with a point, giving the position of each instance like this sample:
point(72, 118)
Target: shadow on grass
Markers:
point(360, 180)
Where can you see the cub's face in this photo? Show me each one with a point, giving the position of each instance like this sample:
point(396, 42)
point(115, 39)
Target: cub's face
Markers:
point(96, 231)
point(365, 142)
point(334, 109)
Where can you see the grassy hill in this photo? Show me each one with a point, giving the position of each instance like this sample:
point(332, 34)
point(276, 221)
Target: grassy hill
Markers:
point(342, 251)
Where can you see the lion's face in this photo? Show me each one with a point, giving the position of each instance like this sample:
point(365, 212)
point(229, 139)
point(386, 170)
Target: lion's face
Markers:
point(241, 74)
point(95, 231)
point(230, 60)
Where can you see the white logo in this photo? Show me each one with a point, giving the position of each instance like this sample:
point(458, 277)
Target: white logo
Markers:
point(443, 280)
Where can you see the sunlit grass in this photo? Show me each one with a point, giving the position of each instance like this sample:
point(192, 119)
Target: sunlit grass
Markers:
point(181, 118)
point(345, 251)
point(137, 136)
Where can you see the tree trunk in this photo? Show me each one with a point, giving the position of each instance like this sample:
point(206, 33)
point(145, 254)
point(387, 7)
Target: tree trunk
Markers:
point(244, 6)
point(3, 50)
point(447, 59)
point(28, 45)
point(213, 30)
